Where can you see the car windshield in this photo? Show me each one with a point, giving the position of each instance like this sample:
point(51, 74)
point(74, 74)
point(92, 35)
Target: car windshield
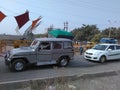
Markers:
point(100, 47)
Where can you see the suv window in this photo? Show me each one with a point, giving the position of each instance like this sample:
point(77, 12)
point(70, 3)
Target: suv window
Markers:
point(45, 46)
point(67, 45)
point(57, 45)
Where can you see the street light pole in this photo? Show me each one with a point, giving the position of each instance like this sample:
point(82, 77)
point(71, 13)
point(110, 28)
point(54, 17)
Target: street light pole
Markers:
point(109, 29)
point(109, 33)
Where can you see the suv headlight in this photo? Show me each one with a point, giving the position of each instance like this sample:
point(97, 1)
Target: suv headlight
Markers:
point(10, 57)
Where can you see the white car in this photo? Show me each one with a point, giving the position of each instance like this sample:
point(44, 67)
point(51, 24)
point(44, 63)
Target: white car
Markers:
point(103, 52)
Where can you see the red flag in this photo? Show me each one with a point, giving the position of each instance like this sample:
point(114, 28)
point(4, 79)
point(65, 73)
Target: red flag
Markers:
point(35, 22)
point(22, 19)
point(2, 16)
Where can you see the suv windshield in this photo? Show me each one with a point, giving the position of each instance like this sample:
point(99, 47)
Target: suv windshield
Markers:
point(100, 47)
point(34, 44)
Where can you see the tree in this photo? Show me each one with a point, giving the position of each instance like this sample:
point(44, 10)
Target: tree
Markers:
point(85, 33)
point(96, 38)
point(111, 32)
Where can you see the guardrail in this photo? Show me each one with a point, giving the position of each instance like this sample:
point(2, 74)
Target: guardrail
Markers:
point(6, 45)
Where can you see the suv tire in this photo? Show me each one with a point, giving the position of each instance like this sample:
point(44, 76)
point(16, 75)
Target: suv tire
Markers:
point(18, 65)
point(63, 61)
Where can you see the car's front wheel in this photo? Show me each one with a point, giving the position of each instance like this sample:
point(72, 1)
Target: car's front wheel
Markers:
point(17, 65)
point(102, 59)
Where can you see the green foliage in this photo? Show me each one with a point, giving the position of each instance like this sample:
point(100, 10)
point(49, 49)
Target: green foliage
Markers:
point(114, 32)
point(92, 33)
point(85, 33)
point(96, 38)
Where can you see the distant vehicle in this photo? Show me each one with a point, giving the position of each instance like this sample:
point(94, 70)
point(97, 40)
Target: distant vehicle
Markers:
point(103, 52)
point(90, 45)
point(42, 51)
point(109, 40)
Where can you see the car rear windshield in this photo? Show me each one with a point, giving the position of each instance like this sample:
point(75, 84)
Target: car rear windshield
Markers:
point(100, 47)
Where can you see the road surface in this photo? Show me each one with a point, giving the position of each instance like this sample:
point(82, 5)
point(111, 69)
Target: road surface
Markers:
point(78, 66)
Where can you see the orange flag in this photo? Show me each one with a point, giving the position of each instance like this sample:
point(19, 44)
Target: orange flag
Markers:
point(2, 16)
point(22, 19)
point(35, 22)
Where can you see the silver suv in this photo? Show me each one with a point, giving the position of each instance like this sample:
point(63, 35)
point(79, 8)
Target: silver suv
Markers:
point(42, 51)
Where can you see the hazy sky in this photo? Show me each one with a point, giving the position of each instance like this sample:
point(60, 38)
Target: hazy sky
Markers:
point(103, 13)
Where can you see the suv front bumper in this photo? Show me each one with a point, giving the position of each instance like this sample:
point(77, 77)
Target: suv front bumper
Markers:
point(7, 62)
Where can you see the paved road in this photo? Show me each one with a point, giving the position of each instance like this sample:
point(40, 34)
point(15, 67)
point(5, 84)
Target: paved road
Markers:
point(76, 67)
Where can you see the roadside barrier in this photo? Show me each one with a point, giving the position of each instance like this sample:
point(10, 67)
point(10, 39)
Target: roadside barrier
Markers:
point(6, 45)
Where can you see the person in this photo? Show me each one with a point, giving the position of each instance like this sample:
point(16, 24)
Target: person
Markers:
point(81, 49)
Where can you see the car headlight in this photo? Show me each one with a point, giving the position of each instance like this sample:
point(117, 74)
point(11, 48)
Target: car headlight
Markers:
point(96, 54)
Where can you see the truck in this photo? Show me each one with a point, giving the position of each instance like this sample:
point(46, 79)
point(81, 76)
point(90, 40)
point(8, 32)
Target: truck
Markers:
point(109, 40)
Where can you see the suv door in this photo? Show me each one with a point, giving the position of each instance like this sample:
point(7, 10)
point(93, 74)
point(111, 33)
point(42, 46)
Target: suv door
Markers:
point(44, 53)
point(57, 50)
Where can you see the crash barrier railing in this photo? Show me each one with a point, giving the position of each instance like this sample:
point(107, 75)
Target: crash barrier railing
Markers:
point(85, 47)
point(20, 43)
point(10, 44)
point(2, 45)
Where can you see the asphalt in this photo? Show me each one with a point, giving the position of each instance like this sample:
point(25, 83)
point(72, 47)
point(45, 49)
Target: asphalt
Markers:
point(99, 70)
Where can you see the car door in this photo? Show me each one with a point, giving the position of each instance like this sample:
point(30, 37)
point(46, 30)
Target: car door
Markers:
point(118, 51)
point(112, 54)
point(44, 53)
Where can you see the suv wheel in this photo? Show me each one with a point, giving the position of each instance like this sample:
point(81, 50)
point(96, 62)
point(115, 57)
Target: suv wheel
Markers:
point(63, 61)
point(18, 65)
point(102, 59)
